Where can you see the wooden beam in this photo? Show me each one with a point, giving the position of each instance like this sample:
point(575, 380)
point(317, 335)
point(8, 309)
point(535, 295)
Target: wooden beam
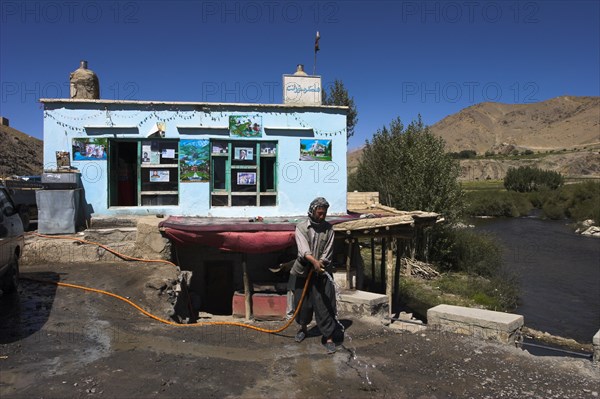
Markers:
point(372, 263)
point(348, 262)
point(359, 235)
point(247, 290)
point(389, 270)
point(382, 265)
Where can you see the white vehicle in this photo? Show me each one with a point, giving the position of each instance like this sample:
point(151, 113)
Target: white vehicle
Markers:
point(11, 242)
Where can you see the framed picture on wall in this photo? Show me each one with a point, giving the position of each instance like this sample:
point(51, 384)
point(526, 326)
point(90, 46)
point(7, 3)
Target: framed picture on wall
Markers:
point(268, 148)
point(245, 126)
point(194, 161)
point(89, 149)
point(219, 148)
point(63, 159)
point(243, 154)
point(158, 176)
point(315, 150)
point(246, 178)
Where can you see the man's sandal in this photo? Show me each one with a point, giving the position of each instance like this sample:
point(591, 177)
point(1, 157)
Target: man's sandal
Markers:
point(330, 346)
point(300, 336)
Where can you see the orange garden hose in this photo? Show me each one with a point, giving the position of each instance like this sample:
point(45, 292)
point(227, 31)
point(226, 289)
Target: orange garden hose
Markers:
point(171, 323)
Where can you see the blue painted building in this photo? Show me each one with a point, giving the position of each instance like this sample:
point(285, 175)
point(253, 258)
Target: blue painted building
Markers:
point(199, 159)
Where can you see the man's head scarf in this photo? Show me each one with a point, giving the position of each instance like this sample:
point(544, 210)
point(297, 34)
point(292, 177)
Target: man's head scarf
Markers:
point(318, 202)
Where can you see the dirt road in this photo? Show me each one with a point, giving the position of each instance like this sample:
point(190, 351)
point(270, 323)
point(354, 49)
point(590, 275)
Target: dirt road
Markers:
point(63, 342)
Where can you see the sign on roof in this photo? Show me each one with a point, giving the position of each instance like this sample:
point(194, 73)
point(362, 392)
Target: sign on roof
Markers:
point(301, 90)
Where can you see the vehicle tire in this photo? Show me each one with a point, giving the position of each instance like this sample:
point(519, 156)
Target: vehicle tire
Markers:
point(24, 215)
point(12, 278)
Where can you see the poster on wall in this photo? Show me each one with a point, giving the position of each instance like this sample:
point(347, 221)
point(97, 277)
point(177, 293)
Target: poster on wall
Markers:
point(245, 126)
point(89, 149)
point(150, 155)
point(194, 161)
point(246, 178)
point(168, 153)
point(63, 159)
point(219, 147)
point(315, 150)
point(243, 154)
point(145, 154)
point(268, 148)
point(159, 176)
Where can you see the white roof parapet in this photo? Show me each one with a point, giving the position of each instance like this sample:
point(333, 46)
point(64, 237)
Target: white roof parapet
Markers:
point(185, 103)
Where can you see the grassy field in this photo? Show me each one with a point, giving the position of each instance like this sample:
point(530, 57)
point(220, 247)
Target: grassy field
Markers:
point(483, 185)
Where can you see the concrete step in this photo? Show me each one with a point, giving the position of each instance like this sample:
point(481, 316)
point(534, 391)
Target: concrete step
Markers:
point(340, 279)
point(363, 303)
point(108, 222)
point(481, 323)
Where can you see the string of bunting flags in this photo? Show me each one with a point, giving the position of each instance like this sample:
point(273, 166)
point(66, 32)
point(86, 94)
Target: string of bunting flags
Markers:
point(303, 123)
point(63, 124)
point(160, 116)
point(95, 114)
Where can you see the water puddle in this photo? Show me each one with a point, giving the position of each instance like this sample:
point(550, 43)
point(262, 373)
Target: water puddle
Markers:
point(354, 362)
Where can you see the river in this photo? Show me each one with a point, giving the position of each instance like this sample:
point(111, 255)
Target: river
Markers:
point(559, 272)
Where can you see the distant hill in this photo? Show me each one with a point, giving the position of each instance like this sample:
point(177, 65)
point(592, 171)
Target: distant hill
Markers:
point(562, 122)
point(20, 154)
point(565, 129)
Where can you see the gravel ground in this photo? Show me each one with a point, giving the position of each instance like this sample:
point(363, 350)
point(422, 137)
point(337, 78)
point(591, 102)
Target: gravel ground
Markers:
point(63, 342)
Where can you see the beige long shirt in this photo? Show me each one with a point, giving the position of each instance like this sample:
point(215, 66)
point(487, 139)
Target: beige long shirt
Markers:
point(313, 239)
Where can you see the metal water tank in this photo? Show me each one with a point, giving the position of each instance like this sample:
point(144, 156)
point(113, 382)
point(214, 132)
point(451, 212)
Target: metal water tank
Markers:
point(60, 203)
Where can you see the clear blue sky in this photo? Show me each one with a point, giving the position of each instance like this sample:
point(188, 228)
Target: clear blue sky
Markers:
point(396, 58)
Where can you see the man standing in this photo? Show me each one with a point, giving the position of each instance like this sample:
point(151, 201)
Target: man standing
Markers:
point(314, 238)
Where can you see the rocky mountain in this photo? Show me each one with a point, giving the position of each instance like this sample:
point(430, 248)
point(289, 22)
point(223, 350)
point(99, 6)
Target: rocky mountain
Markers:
point(560, 123)
point(563, 132)
point(20, 154)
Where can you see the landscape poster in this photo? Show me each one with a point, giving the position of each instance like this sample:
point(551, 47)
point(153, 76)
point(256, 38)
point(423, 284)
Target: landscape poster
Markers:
point(194, 161)
point(315, 150)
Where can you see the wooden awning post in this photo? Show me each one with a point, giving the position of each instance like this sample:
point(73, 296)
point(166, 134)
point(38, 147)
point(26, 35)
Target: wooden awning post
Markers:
point(372, 263)
point(389, 271)
point(350, 242)
point(247, 290)
point(382, 264)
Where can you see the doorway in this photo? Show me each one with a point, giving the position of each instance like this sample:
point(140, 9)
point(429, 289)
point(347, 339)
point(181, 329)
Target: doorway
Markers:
point(219, 287)
point(123, 182)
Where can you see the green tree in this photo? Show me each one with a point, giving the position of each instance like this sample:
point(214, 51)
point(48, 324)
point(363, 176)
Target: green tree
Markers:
point(526, 179)
point(410, 169)
point(338, 95)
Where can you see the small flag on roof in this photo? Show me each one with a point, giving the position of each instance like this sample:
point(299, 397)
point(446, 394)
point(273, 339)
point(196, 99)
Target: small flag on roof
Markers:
point(317, 42)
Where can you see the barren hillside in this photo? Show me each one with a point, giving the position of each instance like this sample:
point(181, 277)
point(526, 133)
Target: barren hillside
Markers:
point(565, 129)
point(20, 154)
point(561, 122)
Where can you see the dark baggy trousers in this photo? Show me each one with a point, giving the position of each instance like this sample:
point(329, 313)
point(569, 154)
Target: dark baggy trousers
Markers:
point(320, 300)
